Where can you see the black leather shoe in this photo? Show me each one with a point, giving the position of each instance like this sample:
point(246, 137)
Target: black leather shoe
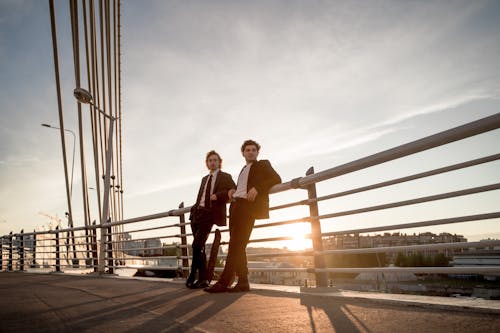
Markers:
point(216, 288)
point(189, 282)
point(203, 284)
point(199, 284)
point(240, 287)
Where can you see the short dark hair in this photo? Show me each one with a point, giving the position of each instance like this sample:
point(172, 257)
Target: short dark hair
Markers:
point(213, 152)
point(249, 143)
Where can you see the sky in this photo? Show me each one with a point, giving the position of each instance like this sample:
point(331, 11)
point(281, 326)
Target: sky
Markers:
point(316, 83)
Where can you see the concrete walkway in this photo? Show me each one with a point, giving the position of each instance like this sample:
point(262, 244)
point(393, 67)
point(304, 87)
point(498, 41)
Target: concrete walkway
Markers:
point(69, 303)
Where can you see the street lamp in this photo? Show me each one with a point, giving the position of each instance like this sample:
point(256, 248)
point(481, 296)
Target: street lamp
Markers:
point(85, 97)
point(73, 162)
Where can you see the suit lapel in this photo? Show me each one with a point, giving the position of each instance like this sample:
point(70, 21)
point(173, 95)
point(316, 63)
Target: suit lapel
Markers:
point(202, 186)
point(251, 175)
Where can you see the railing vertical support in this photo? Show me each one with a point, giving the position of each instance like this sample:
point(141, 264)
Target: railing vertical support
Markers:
point(110, 250)
point(58, 262)
point(319, 261)
point(21, 251)
point(11, 243)
point(1, 254)
point(94, 247)
point(184, 249)
point(34, 265)
point(88, 240)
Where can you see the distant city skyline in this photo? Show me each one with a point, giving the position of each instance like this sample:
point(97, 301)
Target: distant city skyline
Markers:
point(317, 84)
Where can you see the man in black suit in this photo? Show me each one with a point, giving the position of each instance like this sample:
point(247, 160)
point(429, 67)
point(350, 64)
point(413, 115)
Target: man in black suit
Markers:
point(209, 209)
point(250, 201)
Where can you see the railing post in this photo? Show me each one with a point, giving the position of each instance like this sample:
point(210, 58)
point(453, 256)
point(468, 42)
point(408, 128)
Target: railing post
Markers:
point(102, 253)
point(9, 265)
point(21, 251)
point(184, 250)
point(110, 250)
point(58, 265)
point(1, 254)
point(319, 261)
point(94, 247)
point(88, 240)
point(34, 249)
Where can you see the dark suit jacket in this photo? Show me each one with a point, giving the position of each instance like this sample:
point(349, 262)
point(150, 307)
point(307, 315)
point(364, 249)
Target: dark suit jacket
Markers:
point(223, 183)
point(262, 176)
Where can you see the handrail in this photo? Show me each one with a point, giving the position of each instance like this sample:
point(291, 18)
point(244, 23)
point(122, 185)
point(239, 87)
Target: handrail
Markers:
point(457, 133)
point(18, 250)
point(409, 225)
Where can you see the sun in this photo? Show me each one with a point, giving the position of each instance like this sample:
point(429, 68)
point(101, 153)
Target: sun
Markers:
point(298, 231)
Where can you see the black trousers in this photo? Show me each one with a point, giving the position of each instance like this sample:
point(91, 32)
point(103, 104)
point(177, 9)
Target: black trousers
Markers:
point(241, 223)
point(201, 227)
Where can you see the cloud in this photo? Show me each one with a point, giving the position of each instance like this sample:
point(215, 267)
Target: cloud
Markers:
point(20, 160)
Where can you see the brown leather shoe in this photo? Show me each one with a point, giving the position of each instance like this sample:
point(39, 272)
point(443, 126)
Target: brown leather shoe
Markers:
point(216, 288)
point(240, 287)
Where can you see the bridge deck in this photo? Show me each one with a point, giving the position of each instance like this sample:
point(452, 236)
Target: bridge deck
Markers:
point(55, 303)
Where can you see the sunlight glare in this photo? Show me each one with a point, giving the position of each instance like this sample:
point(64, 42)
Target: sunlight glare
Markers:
point(298, 231)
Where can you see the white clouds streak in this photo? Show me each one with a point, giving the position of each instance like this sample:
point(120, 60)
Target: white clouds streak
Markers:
point(312, 77)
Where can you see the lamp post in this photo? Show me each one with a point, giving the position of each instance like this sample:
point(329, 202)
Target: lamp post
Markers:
point(73, 162)
point(83, 96)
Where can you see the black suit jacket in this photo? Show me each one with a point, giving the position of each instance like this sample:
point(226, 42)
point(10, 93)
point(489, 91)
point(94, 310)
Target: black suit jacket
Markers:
point(223, 183)
point(262, 176)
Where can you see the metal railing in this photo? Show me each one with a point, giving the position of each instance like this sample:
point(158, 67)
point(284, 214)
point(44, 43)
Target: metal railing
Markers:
point(142, 247)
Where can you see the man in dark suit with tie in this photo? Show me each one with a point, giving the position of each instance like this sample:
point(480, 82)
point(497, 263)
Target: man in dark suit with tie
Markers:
point(250, 201)
point(209, 209)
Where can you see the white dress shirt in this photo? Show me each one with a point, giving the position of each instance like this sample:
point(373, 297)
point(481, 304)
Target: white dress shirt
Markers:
point(214, 177)
point(241, 188)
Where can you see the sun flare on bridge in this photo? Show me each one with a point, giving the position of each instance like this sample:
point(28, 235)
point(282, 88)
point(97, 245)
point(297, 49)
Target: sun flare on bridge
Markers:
point(299, 231)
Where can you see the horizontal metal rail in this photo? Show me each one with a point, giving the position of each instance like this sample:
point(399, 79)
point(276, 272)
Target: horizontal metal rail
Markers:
point(147, 248)
point(173, 212)
point(263, 225)
point(458, 219)
point(304, 253)
point(416, 176)
point(441, 196)
point(271, 239)
point(417, 270)
point(454, 134)
point(150, 268)
point(140, 230)
point(408, 248)
point(64, 245)
point(52, 252)
point(141, 239)
point(149, 258)
point(73, 266)
point(45, 232)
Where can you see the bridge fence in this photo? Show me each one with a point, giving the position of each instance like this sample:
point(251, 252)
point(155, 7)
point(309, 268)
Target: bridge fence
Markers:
point(143, 245)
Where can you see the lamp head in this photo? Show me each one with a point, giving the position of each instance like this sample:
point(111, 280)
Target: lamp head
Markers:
point(82, 95)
